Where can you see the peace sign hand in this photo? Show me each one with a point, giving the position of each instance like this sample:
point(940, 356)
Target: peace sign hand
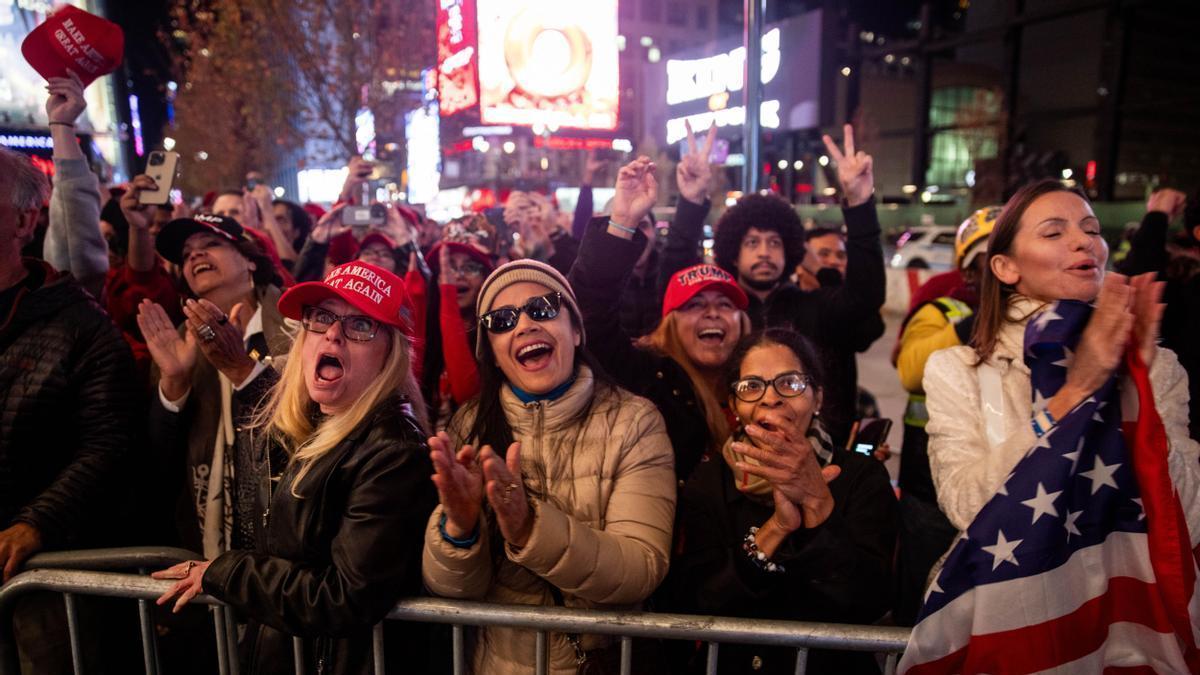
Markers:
point(854, 169)
point(693, 174)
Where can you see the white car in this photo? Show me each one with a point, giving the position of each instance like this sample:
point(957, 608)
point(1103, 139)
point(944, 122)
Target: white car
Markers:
point(925, 247)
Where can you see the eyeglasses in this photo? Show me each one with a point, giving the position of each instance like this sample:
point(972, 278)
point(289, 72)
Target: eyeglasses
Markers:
point(467, 269)
point(542, 308)
point(355, 327)
point(788, 385)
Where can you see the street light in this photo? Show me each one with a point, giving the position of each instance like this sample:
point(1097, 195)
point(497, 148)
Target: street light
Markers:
point(823, 160)
point(509, 147)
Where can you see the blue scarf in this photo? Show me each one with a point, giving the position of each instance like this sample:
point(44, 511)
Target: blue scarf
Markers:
point(552, 395)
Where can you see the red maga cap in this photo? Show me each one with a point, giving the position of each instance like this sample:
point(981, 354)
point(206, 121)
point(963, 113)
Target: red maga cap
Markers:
point(686, 283)
point(71, 38)
point(371, 290)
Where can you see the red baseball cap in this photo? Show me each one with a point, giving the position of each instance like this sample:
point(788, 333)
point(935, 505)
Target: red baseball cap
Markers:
point(686, 283)
point(71, 38)
point(375, 238)
point(435, 259)
point(371, 290)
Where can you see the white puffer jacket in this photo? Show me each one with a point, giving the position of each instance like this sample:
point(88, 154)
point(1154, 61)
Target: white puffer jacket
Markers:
point(967, 469)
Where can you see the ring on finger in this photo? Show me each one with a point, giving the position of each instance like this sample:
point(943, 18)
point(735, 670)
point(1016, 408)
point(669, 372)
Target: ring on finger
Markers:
point(206, 332)
point(223, 320)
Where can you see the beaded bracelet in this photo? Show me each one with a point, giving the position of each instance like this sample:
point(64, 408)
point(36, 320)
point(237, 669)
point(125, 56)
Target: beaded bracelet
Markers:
point(1042, 422)
point(750, 546)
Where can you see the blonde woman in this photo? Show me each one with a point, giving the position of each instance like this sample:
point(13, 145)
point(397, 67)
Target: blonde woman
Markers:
point(344, 525)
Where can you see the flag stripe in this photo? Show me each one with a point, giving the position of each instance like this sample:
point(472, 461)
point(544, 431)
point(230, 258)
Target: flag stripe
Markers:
point(1045, 645)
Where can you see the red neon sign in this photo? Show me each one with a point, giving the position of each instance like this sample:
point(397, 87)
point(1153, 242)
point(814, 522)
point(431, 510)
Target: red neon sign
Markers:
point(457, 57)
point(560, 143)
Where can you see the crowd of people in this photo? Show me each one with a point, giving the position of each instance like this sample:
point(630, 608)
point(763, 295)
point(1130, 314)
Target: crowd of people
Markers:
point(535, 408)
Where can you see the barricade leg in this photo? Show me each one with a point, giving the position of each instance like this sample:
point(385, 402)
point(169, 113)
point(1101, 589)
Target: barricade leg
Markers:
point(377, 648)
point(626, 655)
point(149, 638)
point(222, 641)
point(460, 662)
point(889, 664)
point(540, 665)
point(231, 639)
point(801, 661)
point(73, 631)
point(713, 654)
point(298, 654)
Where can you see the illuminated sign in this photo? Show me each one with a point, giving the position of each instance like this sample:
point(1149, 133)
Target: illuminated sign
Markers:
point(458, 81)
point(561, 143)
point(424, 154)
point(27, 141)
point(702, 78)
point(707, 89)
point(549, 63)
point(135, 116)
point(487, 131)
point(364, 132)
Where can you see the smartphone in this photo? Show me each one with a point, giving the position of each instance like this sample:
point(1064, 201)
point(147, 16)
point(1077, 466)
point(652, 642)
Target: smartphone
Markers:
point(374, 215)
point(162, 166)
point(872, 433)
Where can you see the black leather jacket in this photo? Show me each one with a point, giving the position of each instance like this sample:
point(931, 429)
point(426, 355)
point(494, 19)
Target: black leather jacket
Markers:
point(330, 564)
point(68, 400)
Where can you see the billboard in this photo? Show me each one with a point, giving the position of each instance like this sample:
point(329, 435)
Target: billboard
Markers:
point(549, 63)
point(705, 86)
point(458, 81)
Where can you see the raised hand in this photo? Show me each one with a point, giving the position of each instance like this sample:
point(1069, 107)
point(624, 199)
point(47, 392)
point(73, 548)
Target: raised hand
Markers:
point(1170, 202)
point(458, 478)
point(693, 174)
point(66, 100)
point(637, 192)
point(136, 213)
point(506, 493)
point(357, 172)
point(329, 226)
point(396, 227)
point(591, 167)
point(854, 169)
point(175, 356)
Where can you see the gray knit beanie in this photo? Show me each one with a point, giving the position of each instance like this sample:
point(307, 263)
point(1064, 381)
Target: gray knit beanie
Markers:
point(515, 272)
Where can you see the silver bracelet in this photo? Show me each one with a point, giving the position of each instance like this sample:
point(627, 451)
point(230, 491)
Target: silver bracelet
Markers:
point(750, 546)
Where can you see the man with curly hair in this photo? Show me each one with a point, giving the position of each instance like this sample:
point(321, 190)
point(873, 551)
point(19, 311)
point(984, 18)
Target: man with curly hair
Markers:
point(760, 241)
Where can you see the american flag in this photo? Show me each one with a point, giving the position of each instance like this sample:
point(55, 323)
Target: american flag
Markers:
point(1081, 562)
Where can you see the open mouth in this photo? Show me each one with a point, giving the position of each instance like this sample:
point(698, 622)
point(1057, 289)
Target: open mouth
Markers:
point(329, 368)
point(535, 355)
point(712, 336)
point(1086, 267)
point(767, 426)
point(202, 267)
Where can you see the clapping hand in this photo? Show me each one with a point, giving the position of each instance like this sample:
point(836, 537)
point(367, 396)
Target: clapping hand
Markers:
point(693, 174)
point(636, 192)
point(854, 169)
point(174, 355)
point(221, 337)
point(787, 460)
point(506, 493)
point(458, 478)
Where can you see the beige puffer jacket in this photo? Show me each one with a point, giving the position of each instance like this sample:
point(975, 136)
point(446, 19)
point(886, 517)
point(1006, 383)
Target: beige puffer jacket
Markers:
point(601, 530)
point(967, 470)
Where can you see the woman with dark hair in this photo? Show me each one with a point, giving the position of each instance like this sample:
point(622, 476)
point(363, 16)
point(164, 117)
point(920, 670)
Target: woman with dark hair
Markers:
point(341, 535)
point(1045, 247)
point(679, 365)
point(293, 221)
point(782, 525)
point(225, 274)
point(556, 487)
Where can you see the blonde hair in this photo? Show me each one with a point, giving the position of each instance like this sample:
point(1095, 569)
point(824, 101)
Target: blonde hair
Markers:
point(664, 339)
point(286, 417)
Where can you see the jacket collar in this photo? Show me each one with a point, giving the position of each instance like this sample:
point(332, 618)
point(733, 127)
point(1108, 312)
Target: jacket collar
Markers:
point(1010, 343)
point(556, 414)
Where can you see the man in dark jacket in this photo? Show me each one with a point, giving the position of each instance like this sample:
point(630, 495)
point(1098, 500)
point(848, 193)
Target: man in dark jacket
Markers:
point(1180, 327)
point(66, 388)
point(761, 240)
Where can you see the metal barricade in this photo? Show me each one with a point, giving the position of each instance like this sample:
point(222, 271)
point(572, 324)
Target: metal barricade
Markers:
point(801, 636)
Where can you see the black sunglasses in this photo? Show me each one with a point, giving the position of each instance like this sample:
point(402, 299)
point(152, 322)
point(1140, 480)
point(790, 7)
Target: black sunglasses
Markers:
point(542, 308)
point(354, 326)
point(753, 388)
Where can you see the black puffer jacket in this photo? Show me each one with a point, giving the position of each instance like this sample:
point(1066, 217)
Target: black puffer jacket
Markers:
point(598, 277)
point(68, 396)
point(329, 565)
